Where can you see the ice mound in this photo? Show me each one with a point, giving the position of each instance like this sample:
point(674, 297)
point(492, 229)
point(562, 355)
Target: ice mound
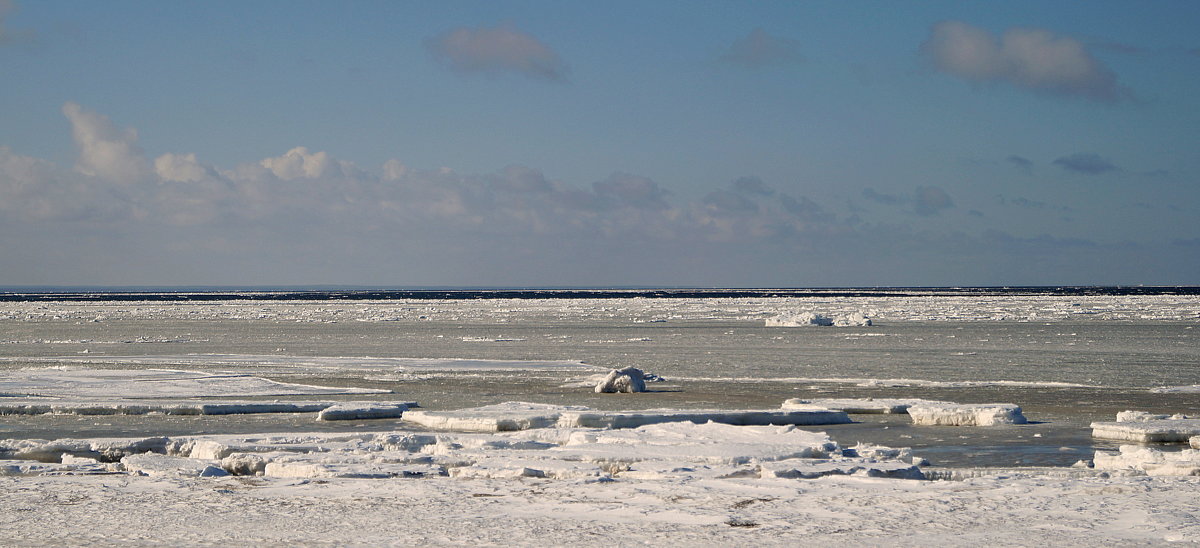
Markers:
point(865, 406)
point(970, 414)
point(710, 443)
point(855, 319)
point(100, 449)
point(627, 380)
point(362, 410)
point(501, 417)
point(1148, 431)
point(1153, 462)
point(634, 419)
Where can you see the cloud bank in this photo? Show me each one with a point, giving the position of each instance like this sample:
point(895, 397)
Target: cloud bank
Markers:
point(501, 49)
point(1086, 163)
point(1033, 59)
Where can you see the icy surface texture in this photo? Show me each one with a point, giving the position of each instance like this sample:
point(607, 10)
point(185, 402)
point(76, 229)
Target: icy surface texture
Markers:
point(634, 419)
point(501, 417)
point(804, 319)
point(152, 383)
point(866, 406)
point(627, 380)
point(362, 410)
point(1149, 431)
point(1153, 462)
point(954, 414)
point(1143, 416)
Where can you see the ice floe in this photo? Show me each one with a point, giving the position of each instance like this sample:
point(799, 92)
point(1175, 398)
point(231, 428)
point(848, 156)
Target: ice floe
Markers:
point(955, 414)
point(78, 406)
point(1148, 431)
point(362, 410)
point(1153, 462)
point(634, 419)
point(500, 417)
point(153, 383)
point(864, 406)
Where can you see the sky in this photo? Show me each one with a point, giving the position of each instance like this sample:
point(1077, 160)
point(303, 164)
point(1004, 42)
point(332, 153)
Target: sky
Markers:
point(599, 144)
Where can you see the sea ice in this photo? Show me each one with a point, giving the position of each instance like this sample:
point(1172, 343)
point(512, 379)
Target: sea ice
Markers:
point(154, 464)
point(1153, 462)
point(854, 319)
point(500, 417)
point(626, 380)
point(1143, 416)
point(1150, 431)
point(633, 419)
point(153, 383)
point(970, 414)
point(362, 410)
point(709, 443)
point(859, 406)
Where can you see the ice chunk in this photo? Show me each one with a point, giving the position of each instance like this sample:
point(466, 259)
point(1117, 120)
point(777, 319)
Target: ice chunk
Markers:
point(1150, 431)
point(633, 419)
point(1153, 462)
point(153, 464)
point(853, 319)
point(1142, 416)
point(500, 417)
point(627, 380)
point(954, 414)
point(102, 449)
point(362, 410)
point(304, 468)
point(859, 406)
point(1195, 442)
point(1189, 389)
point(509, 468)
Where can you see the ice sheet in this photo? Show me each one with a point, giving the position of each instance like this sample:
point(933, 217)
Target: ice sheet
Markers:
point(953, 414)
point(1150, 431)
point(153, 383)
point(634, 419)
point(859, 406)
point(1153, 462)
point(491, 418)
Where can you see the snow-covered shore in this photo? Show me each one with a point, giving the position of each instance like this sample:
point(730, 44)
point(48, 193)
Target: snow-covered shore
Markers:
point(1009, 509)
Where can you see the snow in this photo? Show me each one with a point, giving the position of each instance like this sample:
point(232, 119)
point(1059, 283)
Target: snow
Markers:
point(1153, 462)
point(1149, 431)
point(626, 380)
point(803, 319)
point(1143, 416)
point(151, 464)
point(954, 414)
point(865, 406)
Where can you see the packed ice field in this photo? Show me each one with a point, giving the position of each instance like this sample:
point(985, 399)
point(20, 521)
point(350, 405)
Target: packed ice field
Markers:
point(968, 420)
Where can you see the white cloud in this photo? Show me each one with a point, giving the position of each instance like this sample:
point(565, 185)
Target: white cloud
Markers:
point(1033, 59)
point(181, 168)
point(394, 170)
point(105, 151)
point(494, 50)
point(298, 163)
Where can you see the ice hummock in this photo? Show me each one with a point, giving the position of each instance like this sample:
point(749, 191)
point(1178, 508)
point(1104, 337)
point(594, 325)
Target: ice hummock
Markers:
point(501, 417)
point(969, 414)
point(626, 380)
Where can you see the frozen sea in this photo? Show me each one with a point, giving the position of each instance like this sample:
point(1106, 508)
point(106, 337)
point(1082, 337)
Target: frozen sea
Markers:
point(1067, 360)
point(1067, 356)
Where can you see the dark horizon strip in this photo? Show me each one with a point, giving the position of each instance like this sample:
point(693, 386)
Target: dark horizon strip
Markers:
point(265, 294)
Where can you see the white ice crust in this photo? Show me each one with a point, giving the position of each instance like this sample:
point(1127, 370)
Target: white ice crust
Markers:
point(1148, 431)
point(152, 383)
point(954, 414)
point(1153, 462)
point(866, 406)
point(512, 416)
point(805, 319)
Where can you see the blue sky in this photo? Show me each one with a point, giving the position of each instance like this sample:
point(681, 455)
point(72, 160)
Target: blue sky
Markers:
point(616, 143)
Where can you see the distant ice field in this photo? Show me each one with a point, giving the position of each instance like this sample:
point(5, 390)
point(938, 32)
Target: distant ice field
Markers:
point(1066, 360)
